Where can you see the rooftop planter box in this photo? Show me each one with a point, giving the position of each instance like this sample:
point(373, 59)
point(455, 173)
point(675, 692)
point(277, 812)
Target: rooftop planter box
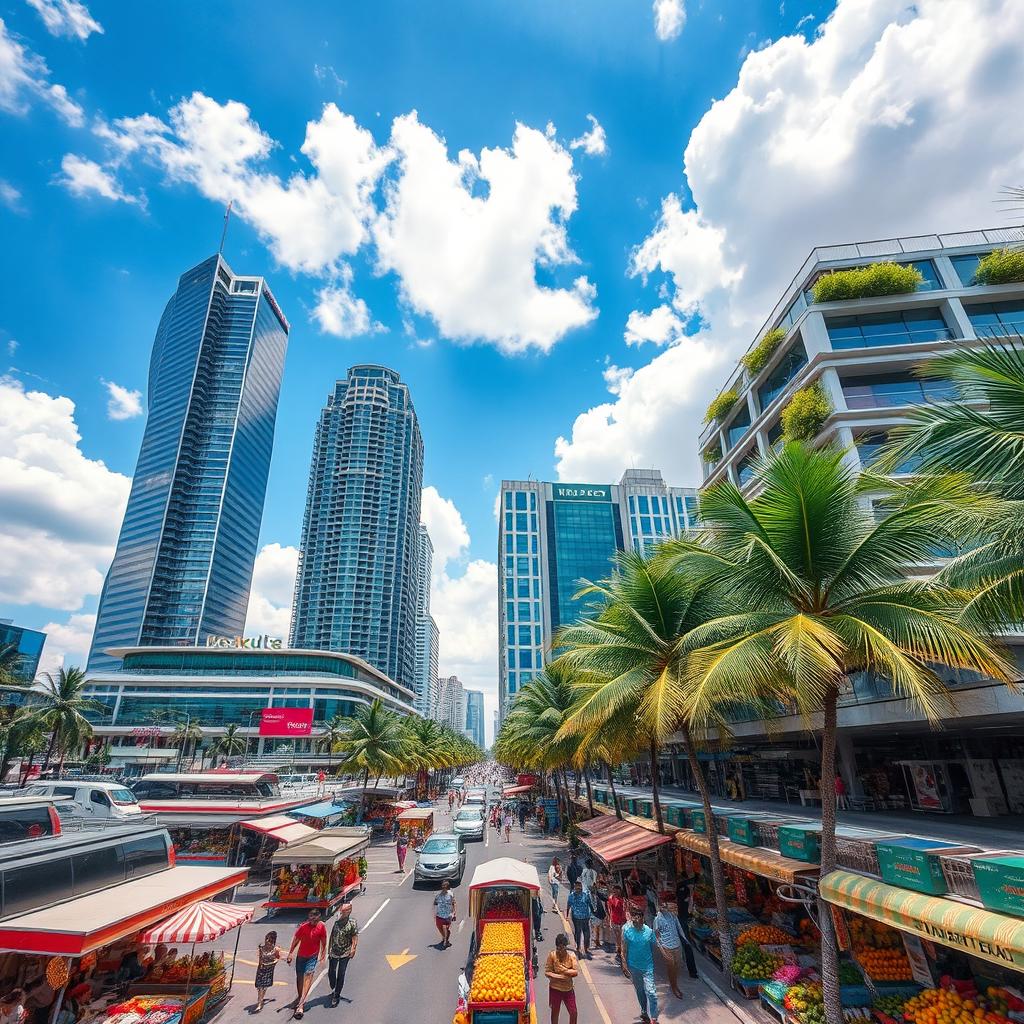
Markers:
point(721, 406)
point(757, 358)
point(866, 282)
point(805, 414)
point(713, 453)
point(1001, 266)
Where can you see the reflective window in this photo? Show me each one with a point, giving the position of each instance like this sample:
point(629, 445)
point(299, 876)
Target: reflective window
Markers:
point(966, 267)
point(785, 370)
point(739, 425)
point(901, 327)
point(892, 390)
point(996, 319)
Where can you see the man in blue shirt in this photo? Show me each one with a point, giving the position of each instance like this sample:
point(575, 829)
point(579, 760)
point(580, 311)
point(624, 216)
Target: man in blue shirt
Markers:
point(580, 910)
point(637, 951)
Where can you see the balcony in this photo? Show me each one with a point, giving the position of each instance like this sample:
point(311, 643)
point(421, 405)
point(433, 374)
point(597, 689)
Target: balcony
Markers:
point(877, 330)
point(895, 392)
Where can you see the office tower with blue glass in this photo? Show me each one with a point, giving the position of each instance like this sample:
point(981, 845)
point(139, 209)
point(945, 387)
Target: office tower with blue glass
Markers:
point(184, 559)
point(474, 726)
point(29, 645)
point(357, 580)
point(428, 640)
point(551, 536)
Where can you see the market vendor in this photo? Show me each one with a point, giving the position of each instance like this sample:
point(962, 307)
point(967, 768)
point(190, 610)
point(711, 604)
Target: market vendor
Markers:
point(130, 969)
point(12, 1006)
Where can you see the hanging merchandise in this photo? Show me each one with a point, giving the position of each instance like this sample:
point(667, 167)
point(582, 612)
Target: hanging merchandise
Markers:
point(57, 972)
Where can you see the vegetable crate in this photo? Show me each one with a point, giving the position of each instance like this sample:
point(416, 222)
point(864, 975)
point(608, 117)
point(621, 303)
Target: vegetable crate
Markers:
point(914, 863)
point(801, 842)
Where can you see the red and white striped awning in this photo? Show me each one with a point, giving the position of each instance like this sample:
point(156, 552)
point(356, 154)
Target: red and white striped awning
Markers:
point(201, 922)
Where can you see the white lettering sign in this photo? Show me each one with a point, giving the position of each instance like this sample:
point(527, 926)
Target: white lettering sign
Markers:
point(249, 643)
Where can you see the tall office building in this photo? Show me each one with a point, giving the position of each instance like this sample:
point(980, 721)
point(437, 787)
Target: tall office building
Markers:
point(184, 559)
point(474, 726)
point(428, 640)
point(552, 535)
point(357, 580)
point(450, 709)
point(29, 645)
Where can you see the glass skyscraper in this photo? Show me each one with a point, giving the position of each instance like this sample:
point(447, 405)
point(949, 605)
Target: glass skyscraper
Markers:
point(475, 717)
point(357, 580)
point(427, 636)
point(551, 536)
point(184, 559)
point(29, 645)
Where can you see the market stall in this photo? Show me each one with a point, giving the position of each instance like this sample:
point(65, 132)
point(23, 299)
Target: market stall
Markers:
point(321, 872)
point(203, 842)
point(325, 813)
point(261, 837)
point(416, 824)
point(632, 853)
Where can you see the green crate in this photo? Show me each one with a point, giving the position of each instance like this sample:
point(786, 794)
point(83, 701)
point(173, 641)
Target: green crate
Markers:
point(645, 808)
point(698, 821)
point(743, 830)
point(801, 843)
point(913, 863)
point(1000, 881)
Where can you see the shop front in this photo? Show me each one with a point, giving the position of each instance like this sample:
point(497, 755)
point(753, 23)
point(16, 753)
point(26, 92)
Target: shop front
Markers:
point(322, 872)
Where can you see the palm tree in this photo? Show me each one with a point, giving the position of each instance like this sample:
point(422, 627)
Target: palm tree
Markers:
point(59, 708)
point(328, 740)
point(820, 588)
point(631, 647)
point(374, 741)
point(186, 737)
point(230, 744)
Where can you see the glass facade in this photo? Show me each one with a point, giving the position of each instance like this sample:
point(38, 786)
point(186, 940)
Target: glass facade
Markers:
point(785, 370)
point(523, 650)
point(996, 319)
point(184, 559)
point(356, 588)
point(900, 327)
point(29, 644)
point(475, 717)
point(892, 390)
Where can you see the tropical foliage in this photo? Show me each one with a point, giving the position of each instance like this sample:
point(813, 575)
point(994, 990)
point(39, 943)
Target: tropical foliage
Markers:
point(59, 708)
point(231, 744)
point(1001, 266)
point(721, 405)
point(757, 358)
point(805, 413)
point(862, 282)
point(712, 453)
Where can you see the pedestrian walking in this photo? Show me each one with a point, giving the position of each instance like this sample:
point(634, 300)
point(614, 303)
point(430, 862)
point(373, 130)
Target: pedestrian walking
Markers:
point(669, 939)
point(588, 876)
point(444, 913)
point(267, 956)
point(580, 912)
point(599, 896)
point(684, 907)
point(451, 801)
point(555, 879)
point(617, 917)
point(542, 821)
point(636, 948)
point(310, 944)
point(537, 911)
point(561, 967)
point(840, 792)
point(340, 950)
point(321, 782)
point(575, 870)
point(401, 849)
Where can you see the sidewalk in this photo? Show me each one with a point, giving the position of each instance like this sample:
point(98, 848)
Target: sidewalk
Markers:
point(1006, 832)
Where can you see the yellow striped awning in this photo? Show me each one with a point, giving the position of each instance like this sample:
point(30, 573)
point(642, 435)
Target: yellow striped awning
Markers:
point(766, 863)
point(981, 933)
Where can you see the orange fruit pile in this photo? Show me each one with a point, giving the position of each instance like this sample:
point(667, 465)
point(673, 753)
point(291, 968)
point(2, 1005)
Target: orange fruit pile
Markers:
point(939, 1006)
point(498, 978)
point(885, 964)
point(502, 937)
point(764, 935)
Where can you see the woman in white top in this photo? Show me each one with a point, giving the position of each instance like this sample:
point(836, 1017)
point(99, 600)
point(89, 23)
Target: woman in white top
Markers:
point(555, 878)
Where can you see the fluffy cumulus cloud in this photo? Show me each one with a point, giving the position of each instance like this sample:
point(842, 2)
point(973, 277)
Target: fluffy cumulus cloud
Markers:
point(122, 403)
point(593, 142)
point(10, 196)
point(66, 18)
point(24, 77)
point(669, 18)
point(83, 177)
point(341, 313)
point(466, 237)
point(661, 326)
point(273, 585)
point(889, 120)
point(67, 642)
point(53, 499)
point(444, 523)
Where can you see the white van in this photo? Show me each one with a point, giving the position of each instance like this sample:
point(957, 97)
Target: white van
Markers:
point(91, 799)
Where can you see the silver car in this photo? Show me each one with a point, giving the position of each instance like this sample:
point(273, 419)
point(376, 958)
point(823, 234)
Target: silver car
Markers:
point(469, 823)
point(442, 856)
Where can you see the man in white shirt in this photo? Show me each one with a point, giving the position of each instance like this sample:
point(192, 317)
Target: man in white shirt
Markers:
point(588, 876)
point(669, 941)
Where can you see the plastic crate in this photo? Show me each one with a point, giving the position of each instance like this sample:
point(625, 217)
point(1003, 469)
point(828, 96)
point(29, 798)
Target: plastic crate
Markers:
point(858, 855)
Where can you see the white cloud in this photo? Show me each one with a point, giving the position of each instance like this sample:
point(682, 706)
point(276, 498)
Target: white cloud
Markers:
point(466, 237)
point(669, 18)
point(24, 76)
point(53, 499)
point(10, 196)
point(83, 177)
point(661, 326)
point(67, 643)
point(66, 18)
point(593, 142)
point(122, 403)
point(12, 346)
point(616, 377)
point(890, 120)
point(273, 585)
point(341, 313)
point(445, 525)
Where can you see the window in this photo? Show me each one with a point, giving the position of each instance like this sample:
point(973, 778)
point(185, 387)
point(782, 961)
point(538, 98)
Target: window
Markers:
point(37, 885)
point(785, 370)
point(870, 330)
point(996, 319)
point(966, 267)
point(99, 798)
point(893, 390)
point(97, 869)
point(740, 425)
point(745, 467)
point(25, 823)
point(870, 445)
point(520, 501)
point(145, 856)
point(926, 269)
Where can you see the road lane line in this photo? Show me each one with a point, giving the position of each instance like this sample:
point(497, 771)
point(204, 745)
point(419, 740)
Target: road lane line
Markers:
point(375, 913)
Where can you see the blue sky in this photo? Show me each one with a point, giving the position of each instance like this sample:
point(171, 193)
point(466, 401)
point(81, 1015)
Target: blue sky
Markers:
point(561, 304)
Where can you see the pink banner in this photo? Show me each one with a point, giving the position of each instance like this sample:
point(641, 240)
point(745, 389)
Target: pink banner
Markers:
point(286, 722)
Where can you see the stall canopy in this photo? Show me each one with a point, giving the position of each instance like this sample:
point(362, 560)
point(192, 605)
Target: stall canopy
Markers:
point(202, 922)
point(981, 933)
point(595, 826)
point(81, 925)
point(763, 862)
point(327, 847)
point(623, 839)
point(416, 814)
point(281, 828)
point(516, 790)
point(322, 809)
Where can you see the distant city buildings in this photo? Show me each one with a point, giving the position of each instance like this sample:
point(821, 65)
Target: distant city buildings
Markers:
point(551, 536)
point(184, 559)
point(427, 636)
point(450, 708)
point(29, 645)
point(474, 725)
point(356, 588)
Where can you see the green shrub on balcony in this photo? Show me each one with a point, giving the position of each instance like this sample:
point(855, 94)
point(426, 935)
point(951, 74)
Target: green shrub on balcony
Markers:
point(713, 453)
point(1001, 266)
point(757, 358)
point(864, 282)
point(721, 406)
point(805, 415)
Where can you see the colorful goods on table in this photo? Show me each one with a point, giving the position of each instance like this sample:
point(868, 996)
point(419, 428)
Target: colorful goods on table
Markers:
point(500, 903)
point(201, 843)
point(750, 962)
point(498, 978)
point(806, 1002)
point(885, 964)
point(765, 935)
point(177, 972)
point(947, 1006)
point(502, 937)
point(314, 883)
point(146, 1010)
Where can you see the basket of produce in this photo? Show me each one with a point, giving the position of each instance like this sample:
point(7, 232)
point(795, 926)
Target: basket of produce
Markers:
point(503, 937)
point(499, 979)
point(806, 1003)
point(765, 935)
point(942, 1006)
point(750, 963)
point(885, 964)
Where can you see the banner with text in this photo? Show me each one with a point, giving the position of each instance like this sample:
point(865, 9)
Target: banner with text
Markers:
point(286, 722)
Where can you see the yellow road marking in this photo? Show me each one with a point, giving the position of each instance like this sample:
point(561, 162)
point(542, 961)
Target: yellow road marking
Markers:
point(397, 960)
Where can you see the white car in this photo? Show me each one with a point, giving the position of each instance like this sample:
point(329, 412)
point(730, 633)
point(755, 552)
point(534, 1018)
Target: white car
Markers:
point(458, 782)
point(92, 799)
point(469, 823)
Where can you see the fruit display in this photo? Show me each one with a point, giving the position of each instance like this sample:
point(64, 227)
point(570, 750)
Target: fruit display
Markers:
point(146, 1010)
point(943, 1006)
point(201, 843)
point(313, 883)
point(502, 937)
point(806, 1002)
point(765, 935)
point(848, 974)
point(885, 964)
point(1001, 1000)
point(177, 972)
point(892, 1005)
point(751, 962)
point(498, 978)
point(868, 934)
point(501, 903)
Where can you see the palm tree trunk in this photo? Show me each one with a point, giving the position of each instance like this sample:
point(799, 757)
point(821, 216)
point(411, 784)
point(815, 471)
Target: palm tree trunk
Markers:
point(28, 770)
point(615, 796)
point(558, 793)
point(590, 792)
point(49, 749)
point(717, 875)
point(570, 807)
point(654, 786)
point(829, 946)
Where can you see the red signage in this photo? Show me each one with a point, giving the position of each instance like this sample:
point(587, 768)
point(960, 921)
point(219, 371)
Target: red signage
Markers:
point(286, 722)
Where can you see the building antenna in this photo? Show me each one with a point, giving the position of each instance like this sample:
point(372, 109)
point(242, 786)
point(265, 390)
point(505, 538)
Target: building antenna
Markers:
point(224, 232)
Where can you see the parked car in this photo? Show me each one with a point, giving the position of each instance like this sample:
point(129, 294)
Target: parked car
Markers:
point(442, 856)
point(27, 817)
point(469, 823)
point(91, 799)
point(458, 782)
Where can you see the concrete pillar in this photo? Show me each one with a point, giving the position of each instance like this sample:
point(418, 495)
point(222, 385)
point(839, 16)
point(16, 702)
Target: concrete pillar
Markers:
point(815, 335)
point(846, 764)
point(948, 277)
point(956, 317)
